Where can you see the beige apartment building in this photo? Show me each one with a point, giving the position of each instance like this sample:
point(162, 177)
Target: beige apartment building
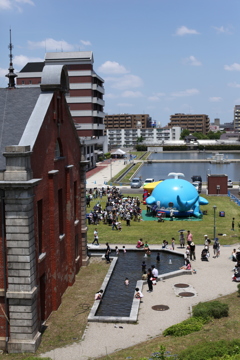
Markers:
point(124, 121)
point(193, 122)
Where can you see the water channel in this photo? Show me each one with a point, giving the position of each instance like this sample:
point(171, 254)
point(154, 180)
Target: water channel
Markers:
point(117, 299)
point(161, 170)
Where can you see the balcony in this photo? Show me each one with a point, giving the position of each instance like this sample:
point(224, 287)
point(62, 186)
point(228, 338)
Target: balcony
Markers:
point(98, 88)
point(99, 101)
point(97, 113)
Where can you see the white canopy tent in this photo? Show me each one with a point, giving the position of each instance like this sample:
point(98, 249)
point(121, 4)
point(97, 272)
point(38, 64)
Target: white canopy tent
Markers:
point(118, 152)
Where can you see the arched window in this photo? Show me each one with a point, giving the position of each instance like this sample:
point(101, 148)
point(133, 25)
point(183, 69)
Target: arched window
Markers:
point(58, 149)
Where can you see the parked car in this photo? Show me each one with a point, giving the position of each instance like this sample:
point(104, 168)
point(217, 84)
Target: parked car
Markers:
point(136, 183)
point(198, 186)
point(148, 180)
point(196, 178)
point(229, 183)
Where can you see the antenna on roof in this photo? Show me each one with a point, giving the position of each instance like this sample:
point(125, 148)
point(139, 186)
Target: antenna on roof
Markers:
point(11, 75)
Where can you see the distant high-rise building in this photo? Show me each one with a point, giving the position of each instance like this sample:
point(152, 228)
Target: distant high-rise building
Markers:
point(85, 97)
point(236, 117)
point(193, 122)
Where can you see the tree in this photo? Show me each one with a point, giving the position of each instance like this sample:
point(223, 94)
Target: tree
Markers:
point(184, 133)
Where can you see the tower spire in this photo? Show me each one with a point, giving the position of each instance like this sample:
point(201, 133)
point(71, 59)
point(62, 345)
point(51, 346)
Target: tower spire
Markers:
point(11, 75)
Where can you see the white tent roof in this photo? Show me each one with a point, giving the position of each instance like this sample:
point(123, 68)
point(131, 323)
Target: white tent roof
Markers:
point(118, 152)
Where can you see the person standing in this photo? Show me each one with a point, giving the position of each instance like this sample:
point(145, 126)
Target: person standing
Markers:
point(108, 250)
point(192, 251)
point(149, 280)
point(233, 223)
point(189, 237)
point(173, 243)
point(128, 218)
point(95, 234)
point(182, 239)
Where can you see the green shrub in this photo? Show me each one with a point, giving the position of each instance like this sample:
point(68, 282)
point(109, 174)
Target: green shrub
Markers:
point(185, 327)
point(214, 309)
point(211, 350)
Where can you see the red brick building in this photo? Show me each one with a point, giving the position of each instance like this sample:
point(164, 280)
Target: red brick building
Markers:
point(42, 197)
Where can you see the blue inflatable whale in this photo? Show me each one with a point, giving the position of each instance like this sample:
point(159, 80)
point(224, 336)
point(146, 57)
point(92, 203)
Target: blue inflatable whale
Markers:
point(177, 196)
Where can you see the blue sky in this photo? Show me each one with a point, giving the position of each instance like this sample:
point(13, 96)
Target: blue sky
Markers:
point(157, 57)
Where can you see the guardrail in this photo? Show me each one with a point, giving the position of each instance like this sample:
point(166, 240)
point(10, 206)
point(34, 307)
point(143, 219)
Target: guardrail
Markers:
point(234, 198)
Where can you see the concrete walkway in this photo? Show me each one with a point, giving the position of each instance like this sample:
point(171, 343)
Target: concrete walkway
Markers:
point(212, 279)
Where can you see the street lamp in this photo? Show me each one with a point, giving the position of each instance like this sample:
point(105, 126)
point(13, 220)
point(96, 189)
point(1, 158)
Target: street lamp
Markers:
point(214, 223)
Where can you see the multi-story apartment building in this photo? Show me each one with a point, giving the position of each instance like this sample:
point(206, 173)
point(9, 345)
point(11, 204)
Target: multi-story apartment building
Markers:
point(129, 137)
point(128, 121)
point(193, 122)
point(85, 97)
point(236, 117)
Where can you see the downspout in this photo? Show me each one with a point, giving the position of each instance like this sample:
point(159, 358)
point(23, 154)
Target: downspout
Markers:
point(2, 195)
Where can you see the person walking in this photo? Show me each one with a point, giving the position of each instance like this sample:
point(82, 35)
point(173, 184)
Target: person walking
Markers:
point(233, 223)
point(95, 234)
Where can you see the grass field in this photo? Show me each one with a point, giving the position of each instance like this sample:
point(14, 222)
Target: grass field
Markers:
point(154, 232)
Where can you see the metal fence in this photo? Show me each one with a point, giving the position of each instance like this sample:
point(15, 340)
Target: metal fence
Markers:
point(234, 198)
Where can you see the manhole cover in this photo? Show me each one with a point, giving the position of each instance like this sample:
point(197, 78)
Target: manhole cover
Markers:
point(181, 285)
point(160, 307)
point(186, 294)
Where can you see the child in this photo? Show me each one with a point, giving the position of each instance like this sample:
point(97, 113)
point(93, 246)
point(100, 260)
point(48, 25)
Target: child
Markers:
point(119, 226)
point(126, 282)
point(143, 266)
point(98, 295)
point(138, 294)
point(124, 249)
point(117, 250)
point(158, 257)
point(173, 243)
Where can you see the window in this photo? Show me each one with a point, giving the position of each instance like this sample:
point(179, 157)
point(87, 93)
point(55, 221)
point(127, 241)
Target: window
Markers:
point(76, 246)
point(58, 149)
point(23, 82)
point(60, 211)
point(40, 226)
point(75, 199)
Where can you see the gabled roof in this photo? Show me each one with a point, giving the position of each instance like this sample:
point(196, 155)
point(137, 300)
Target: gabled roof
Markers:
point(16, 106)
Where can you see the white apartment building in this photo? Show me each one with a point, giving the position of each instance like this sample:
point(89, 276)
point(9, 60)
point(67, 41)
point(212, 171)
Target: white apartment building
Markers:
point(236, 117)
point(128, 137)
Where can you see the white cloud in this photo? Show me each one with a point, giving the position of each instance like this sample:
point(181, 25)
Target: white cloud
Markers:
point(125, 82)
point(191, 60)
point(85, 42)
point(112, 67)
point(22, 60)
point(188, 92)
point(3, 72)
point(233, 67)
point(51, 45)
point(222, 29)
point(156, 97)
point(234, 85)
point(183, 30)
point(5, 4)
point(11, 4)
point(215, 99)
point(110, 96)
point(124, 104)
point(132, 94)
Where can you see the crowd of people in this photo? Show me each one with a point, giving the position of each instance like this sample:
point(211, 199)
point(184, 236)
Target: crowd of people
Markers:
point(116, 210)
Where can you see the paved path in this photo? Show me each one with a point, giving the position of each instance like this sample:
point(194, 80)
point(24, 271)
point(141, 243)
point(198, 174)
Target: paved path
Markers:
point(213, 279)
